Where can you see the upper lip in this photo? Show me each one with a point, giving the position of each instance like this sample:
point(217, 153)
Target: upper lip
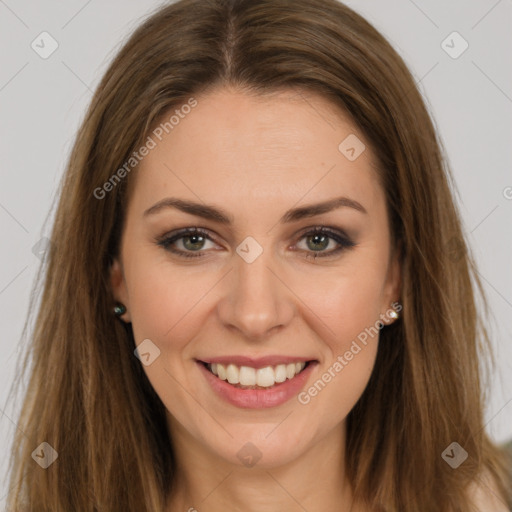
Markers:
point(256, 362)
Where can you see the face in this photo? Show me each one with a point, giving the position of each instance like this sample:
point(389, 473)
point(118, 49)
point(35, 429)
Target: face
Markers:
point(269, 282)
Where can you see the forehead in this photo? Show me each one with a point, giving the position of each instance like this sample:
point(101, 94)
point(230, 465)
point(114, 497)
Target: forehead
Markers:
point(275, 147)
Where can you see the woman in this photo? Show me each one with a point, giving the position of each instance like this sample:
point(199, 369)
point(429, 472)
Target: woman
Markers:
point(258, 195)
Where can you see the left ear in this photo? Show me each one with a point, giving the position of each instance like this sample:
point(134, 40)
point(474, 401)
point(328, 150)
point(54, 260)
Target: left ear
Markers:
point(393, 285)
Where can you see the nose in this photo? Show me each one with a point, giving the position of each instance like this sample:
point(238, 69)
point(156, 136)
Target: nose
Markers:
point(256, 301)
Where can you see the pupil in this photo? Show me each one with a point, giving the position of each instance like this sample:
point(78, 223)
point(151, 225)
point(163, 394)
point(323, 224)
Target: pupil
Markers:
point(322, 238)
point(192, 238)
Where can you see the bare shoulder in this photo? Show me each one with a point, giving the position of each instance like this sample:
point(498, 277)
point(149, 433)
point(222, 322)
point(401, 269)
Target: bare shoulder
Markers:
point(486, 496)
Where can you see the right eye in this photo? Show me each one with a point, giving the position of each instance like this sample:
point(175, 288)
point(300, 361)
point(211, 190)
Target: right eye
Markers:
point(191, 239)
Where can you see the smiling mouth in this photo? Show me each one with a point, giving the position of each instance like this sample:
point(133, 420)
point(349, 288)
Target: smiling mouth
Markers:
point(246, 377)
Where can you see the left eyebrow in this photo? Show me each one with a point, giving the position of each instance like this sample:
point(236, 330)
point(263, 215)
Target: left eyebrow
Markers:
point(221, 216)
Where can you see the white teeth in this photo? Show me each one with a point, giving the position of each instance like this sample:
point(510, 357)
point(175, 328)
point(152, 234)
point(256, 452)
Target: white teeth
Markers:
point(247, 376)
point(221, 372)
point(232, 374)
point(263, 377)
point(280, 372)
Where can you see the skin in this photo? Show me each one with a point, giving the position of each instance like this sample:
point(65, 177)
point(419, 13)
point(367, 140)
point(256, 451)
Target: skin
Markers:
point(256, 157)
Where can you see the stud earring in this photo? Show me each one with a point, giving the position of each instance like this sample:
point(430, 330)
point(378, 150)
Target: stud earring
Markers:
point(394, 314)
point(119, 309)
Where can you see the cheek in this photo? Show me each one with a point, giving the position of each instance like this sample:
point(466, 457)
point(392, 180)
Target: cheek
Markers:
point(169, 308)
point(351, 312)
point(347, 308)
point(166, 302)
point(345, 303)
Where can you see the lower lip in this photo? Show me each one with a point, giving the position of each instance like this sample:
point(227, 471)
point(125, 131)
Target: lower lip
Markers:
point(258, 398)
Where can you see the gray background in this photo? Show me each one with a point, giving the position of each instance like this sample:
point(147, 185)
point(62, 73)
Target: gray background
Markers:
point(42, 102)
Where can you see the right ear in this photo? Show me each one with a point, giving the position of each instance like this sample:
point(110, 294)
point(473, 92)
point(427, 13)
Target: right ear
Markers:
point(118, 285)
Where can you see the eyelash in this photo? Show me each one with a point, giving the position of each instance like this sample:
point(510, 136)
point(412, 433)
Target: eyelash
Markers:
point(339, 237)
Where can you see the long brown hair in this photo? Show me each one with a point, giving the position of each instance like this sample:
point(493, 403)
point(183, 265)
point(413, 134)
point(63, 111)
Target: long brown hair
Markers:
point(87, 395)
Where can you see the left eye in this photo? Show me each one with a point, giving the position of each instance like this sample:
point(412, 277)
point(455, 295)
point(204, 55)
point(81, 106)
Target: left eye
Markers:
point(317, 240)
